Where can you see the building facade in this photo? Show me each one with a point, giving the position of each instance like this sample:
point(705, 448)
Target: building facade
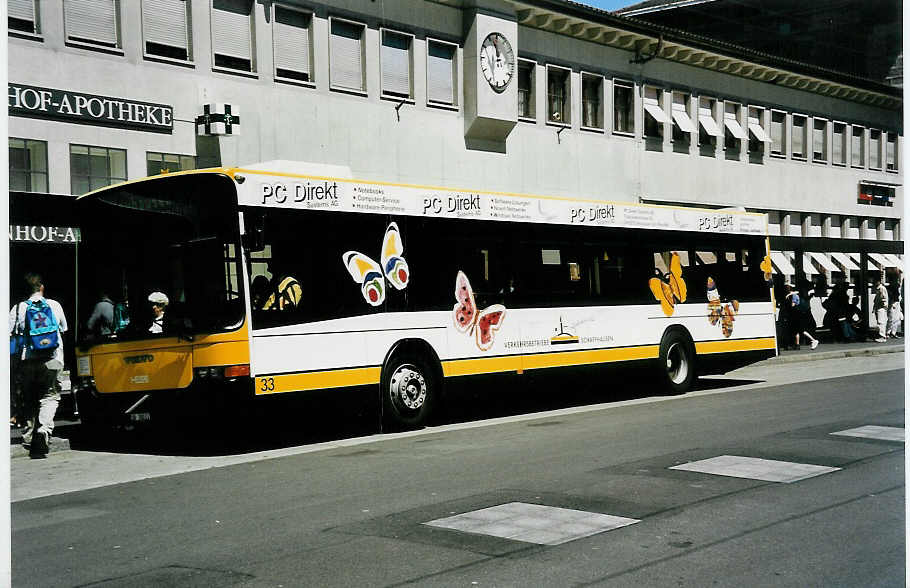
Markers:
point(533, 96)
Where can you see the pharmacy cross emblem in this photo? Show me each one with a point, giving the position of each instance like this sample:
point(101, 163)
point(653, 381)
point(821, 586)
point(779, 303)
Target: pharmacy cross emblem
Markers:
point(217, 119)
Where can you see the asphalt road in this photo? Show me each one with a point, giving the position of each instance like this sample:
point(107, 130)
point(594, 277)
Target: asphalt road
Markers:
point(349, 511)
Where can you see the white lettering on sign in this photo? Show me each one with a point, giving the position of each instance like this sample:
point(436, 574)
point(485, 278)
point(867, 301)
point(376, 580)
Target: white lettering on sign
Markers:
point(51, 103)
point(42, 234)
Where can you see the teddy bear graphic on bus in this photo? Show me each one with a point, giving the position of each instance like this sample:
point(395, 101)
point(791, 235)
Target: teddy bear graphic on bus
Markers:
point(722, 312)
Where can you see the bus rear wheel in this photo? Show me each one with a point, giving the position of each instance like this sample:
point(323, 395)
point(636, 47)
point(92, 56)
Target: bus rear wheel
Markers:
point(677, 362)
point(409, 391)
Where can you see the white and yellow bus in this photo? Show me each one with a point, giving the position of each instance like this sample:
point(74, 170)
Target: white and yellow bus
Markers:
point(286, 278)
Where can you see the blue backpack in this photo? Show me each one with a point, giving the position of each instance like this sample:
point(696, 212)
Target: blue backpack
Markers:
point(42, 331)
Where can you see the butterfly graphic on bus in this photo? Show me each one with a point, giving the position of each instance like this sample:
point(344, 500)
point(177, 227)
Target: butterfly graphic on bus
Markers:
point(372, 276)
point(482, 324)
point(669, 289)
point(723, 312)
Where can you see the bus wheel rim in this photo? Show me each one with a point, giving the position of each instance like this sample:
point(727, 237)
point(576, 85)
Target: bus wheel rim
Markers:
point(677, 364)
point(408, 388)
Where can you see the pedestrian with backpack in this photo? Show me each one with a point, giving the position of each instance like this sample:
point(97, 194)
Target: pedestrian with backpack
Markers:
point(37, 325)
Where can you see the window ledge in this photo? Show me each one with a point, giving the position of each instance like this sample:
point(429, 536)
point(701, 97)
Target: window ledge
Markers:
point(592, 129)
point(26, 35)
point(352, 91)
point(293, 82)
point(820, 161)
point(553, 123)
point(624, 134)
point(170, 60)
point(527, 119)
point(236, 72)
point(392, 98)
point(835, 164)
point(443, 106)
point(778, 156)
point(893, 171)
point(878, 169)
point(857, 166)
point(798, 158)
point(98, 48)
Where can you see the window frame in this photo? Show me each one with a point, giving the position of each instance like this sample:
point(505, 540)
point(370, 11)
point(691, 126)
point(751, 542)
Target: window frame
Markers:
point(599, 79)
point(804, 155)
point(188, 36)
point(29, 172)
point(629, 86)
point(875, 165)
point(179, 157)
point(844, 145)
point(90, 176)
point(310, 15)
point(862, 147)
point(388, 94)
point(35, 33)
point(895, 166)
point(87, 43)
point(645, 113)
point(333, 85)
point(565, 117)
point(254, 66)
point(826, 148)
point(735, 143)
point(712, 108)
point(436, 103)
point(531, 66)
point(784, 151)
point(685, 136)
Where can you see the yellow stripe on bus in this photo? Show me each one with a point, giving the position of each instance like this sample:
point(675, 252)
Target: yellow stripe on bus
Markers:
point(317, 380)
point(706, 347)
point(491, 365)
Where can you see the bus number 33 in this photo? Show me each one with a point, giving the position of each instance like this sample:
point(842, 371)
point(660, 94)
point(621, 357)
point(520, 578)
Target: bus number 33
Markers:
point(267, 384)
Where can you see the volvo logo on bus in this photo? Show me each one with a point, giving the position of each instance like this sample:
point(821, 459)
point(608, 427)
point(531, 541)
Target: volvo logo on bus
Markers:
point(134, 359)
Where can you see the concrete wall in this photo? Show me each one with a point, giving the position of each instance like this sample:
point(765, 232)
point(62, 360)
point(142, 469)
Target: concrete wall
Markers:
point(427, 145)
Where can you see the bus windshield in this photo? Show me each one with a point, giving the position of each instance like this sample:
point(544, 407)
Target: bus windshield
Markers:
point(177, 236)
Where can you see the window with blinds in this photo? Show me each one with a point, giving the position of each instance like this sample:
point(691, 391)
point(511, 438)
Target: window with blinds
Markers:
point(292, 44)
point(778, 133)
point(232, 34)
point(346, 55)
point(92, 21)
point(526, 103)
point(441, 73)
point(22, 16)
point(839, 144)
point(591, 101)
point(798, 142)
point(558, 95)
point(165, 28)
point(623, 101)
point(654, 116)
point(395, 64)
point(875, 149)
point(857, 154)
point(820, 140)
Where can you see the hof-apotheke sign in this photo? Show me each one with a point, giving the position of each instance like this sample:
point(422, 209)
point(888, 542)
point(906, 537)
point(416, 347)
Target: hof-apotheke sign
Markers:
point(36, 102)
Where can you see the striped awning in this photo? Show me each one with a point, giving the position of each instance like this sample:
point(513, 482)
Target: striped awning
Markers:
point(869, 264)
point(823, 261)
point(781, 263)
point(845, 262)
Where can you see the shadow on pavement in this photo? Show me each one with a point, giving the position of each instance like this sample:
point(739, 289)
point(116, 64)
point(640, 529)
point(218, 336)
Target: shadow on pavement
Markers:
point(277, 422)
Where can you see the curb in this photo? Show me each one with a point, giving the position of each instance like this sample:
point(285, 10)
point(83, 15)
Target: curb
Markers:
point(866, 351)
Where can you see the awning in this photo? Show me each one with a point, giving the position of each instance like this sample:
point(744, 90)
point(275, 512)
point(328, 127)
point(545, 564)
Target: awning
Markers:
point(734, 128)
point(824, 261)
point(844, 261)
point(708, 123)
point(657, 113)
point(782, 264)
point(869, 264)
point(682, 120)
point(898, 262)
point(759, 132)
point(706, 257)
point(808, 268)
point(882, 261)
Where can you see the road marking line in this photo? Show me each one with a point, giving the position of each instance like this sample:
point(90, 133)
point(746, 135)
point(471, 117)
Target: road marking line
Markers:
point(754, 468)
point(875, 432)
point(533, 523)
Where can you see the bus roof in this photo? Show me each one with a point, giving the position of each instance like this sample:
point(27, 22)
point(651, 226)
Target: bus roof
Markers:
point(299, 185)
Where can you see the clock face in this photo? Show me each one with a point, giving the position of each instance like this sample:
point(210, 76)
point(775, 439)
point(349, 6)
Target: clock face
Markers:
point(497, 61)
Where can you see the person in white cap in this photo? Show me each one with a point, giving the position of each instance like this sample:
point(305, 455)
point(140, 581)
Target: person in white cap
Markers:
point(159, 303)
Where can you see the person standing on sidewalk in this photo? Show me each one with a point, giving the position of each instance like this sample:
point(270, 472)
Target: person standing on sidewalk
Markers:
point(38, 368)
point(880, 307)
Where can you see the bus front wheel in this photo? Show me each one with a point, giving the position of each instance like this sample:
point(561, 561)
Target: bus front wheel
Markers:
point(677, 362)
point(409, 391)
